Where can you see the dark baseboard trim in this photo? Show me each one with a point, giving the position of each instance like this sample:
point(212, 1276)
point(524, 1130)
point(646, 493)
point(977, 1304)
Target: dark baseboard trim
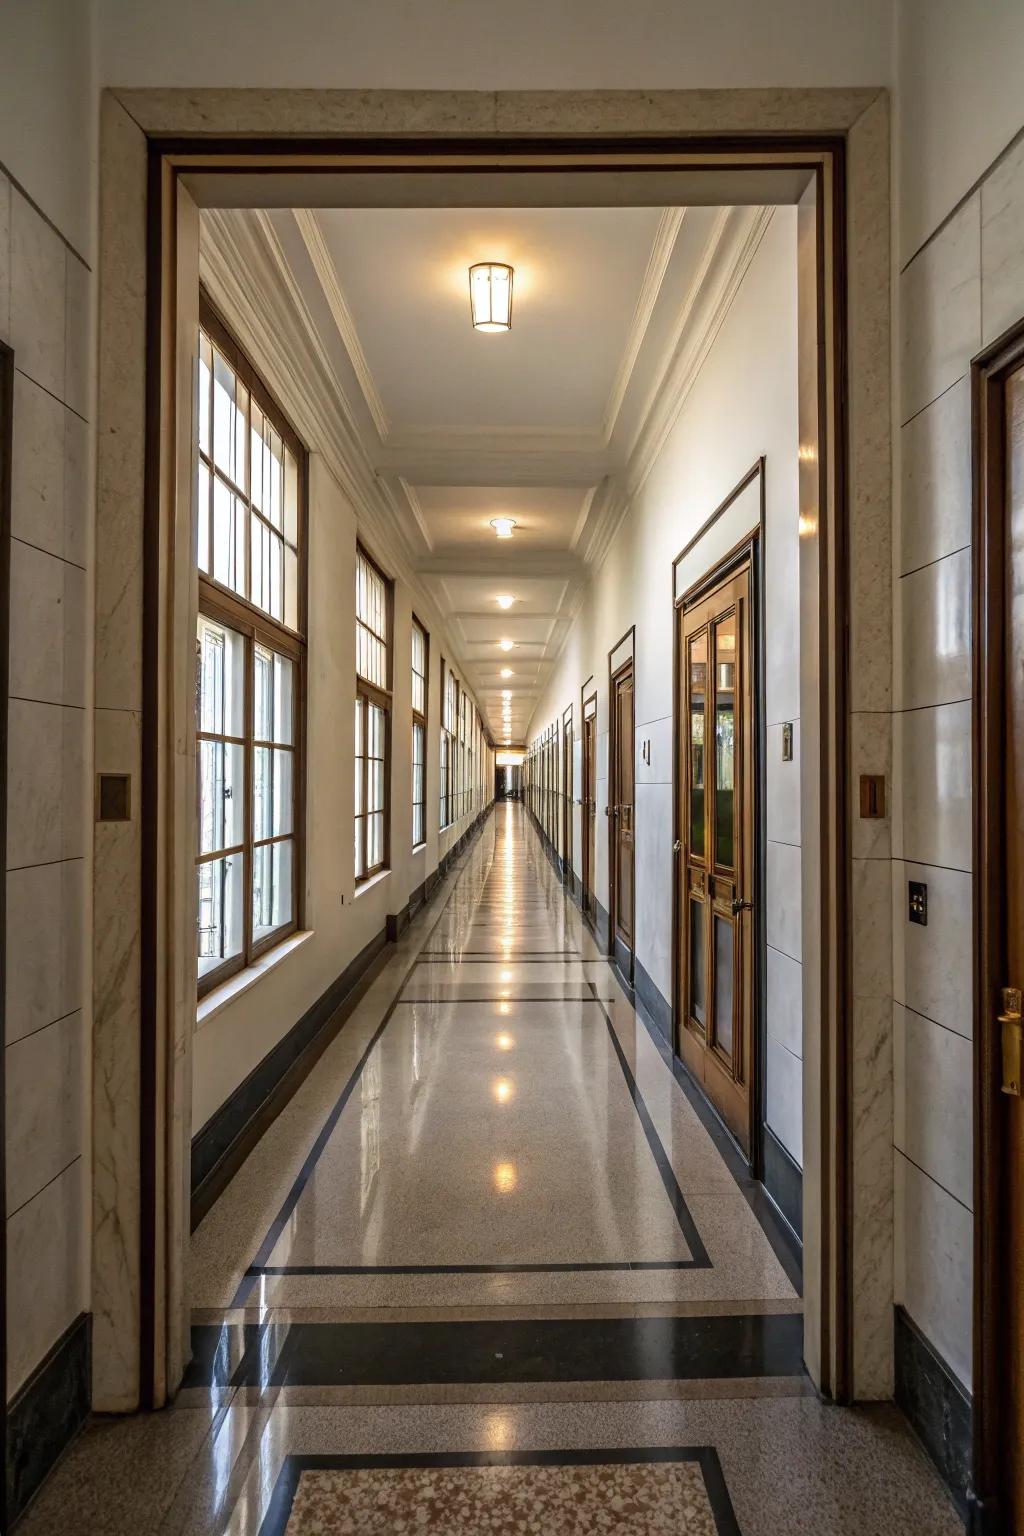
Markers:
point(784, 1182)
point(602, 928)
point(220, 1148)
point(938, 1407)
point(651, 997)
point(623, 959)
point(47, 1413)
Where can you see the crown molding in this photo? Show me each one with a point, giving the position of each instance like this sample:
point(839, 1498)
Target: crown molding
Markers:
point(669, 225)
point(327, 275)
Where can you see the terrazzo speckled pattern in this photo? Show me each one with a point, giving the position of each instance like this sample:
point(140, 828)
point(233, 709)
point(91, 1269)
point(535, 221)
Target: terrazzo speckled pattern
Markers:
point(627, 1498)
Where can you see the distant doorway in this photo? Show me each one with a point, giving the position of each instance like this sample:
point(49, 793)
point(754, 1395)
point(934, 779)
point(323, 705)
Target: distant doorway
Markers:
point(620, 808)
point(716, 731)
point(567, 793)
point(589, 805)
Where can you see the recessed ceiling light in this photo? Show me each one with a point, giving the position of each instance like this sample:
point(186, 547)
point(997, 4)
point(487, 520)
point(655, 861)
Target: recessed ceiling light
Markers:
point(504, 601)
point(503, 527)
point(507, 672)
point(490, 295)
point(507, 645)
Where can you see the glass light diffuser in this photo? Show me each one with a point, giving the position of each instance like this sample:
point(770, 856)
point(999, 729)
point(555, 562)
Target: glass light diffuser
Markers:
point(503, 527)
point(490, 296)
point(504, 601)
point(507, 645)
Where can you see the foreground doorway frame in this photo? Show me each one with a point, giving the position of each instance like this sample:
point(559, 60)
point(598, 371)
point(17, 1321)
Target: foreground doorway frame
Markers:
point(147, 139)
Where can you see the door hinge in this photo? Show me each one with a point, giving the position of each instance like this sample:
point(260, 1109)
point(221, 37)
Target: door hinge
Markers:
point(1010, 1023)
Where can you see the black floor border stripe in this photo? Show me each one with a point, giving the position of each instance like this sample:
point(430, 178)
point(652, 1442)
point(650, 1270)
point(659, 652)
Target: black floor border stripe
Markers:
point(486, 956)
point(595, 1267)
point(706, 1457)
point(687, 1225)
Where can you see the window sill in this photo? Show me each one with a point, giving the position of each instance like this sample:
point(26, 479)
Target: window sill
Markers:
point(236, 986)
point(368, 885)
point(419, 847)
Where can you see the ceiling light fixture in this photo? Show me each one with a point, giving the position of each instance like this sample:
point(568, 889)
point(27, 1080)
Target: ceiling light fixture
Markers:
point(504, 601)
point(503, 527)
point(507, 645)
point(490, 296)
point(507, 672)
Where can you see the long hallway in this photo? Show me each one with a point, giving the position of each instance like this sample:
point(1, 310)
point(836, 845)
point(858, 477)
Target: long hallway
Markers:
point(490, 1264)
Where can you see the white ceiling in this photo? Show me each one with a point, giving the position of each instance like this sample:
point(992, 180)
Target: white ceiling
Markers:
point(553, 423)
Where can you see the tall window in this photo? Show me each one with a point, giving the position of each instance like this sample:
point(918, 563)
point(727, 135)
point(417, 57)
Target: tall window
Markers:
point(449, 696)
point(419, 734)
point(373, 716)
point(250, 658)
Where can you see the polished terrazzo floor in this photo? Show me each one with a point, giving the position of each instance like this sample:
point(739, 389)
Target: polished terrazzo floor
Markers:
point(493, 1268)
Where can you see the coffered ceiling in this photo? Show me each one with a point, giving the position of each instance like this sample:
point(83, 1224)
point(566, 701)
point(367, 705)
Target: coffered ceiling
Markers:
point(554, 423)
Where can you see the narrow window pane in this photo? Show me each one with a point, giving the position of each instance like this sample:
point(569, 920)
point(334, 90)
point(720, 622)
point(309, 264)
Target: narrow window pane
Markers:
point(229, 404)
point(725, 746)
point(219, 912)
point(203, 518)
point(698, 964)
point(221, 660)
point(272, 888)
point(205, 384)
point(723, 985)
point(698, 692)
point(272, 792)
point(221, 795)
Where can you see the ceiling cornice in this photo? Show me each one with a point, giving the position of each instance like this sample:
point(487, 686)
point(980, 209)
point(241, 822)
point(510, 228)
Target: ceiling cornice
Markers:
point(669, 225)
point(327, 275)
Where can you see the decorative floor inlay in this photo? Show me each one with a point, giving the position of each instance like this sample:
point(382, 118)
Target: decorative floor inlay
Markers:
point(657, 1492)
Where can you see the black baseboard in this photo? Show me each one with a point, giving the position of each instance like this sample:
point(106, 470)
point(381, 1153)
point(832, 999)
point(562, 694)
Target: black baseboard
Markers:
point(220, 1148)
point(784, 1181)
point(653, 1000)
point(938, 1407)
point(622, 955)
point(47, 1414)
point(602, 928)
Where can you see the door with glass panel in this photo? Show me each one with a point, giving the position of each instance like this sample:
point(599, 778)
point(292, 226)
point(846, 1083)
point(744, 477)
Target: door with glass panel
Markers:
point(716, 846)
point(589, 805)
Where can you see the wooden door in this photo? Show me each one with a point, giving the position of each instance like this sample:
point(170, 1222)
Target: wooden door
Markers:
point(621, 812)
point(567, 791)
point(589, 811)
point(715, 814)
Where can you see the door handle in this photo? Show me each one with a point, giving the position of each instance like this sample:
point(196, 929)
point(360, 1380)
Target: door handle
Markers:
point(739, 905)
point(1009, 1022)
point(677, 846)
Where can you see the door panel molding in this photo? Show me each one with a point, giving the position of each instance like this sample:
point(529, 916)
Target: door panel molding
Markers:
point(622, 807)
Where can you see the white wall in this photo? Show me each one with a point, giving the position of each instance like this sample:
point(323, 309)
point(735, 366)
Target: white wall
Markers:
point(959, 103)
point(743, 404)
point(541, 44)
point(47, 143)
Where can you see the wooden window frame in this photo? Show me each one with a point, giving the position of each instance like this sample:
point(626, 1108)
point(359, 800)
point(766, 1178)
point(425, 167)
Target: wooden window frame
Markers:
point(222, 605)
point(447, 751)
point(368, 693)
point(419, 723)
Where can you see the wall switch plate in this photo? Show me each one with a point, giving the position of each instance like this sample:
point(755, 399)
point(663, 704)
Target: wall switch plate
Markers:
point(918, 902)
point(787, 742)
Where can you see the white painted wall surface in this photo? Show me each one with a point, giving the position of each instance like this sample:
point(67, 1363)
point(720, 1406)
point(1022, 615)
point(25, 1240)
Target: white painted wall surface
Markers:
point(673, 44)
point(742, 405)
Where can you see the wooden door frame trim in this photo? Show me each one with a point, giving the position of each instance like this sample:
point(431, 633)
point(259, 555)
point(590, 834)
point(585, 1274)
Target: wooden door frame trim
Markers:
point(991, 1227)
point(820, 150)
point(6, 459)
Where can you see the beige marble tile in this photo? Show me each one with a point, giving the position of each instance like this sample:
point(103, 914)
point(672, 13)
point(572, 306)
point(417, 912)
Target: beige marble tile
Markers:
point(45, 1106)
point(870, 752)
point(37, 625)
point(933, 634)
point(934, 1264)
point(932, 785)
point(78, 343)
point(784, 899)
point(872, 928)
point(783, 797)
point(941, 310)
point(660, 111)
point(37, 470)
point(38, 280)
point(1002, 245)
point(5, 258)
point(44, 945)
point(35, 784)
point(79, 466)
point(932, 963)
point(934, 1097)
point(46, 1280)
point(784, 1086)
point(785, 1001)
point(872, 1197)
point(935, 476)
point(169, 111)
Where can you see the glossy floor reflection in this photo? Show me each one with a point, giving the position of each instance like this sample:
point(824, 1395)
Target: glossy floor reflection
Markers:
point(490, 1268)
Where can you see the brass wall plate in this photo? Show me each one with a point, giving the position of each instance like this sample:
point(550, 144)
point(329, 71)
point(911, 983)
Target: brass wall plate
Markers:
point(872, 796)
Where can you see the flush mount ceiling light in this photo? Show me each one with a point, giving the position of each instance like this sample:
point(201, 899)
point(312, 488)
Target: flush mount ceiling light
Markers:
point(490, 296)
point(507, 672)
point(504, 601)
point(503, 527)
point(507, 645)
